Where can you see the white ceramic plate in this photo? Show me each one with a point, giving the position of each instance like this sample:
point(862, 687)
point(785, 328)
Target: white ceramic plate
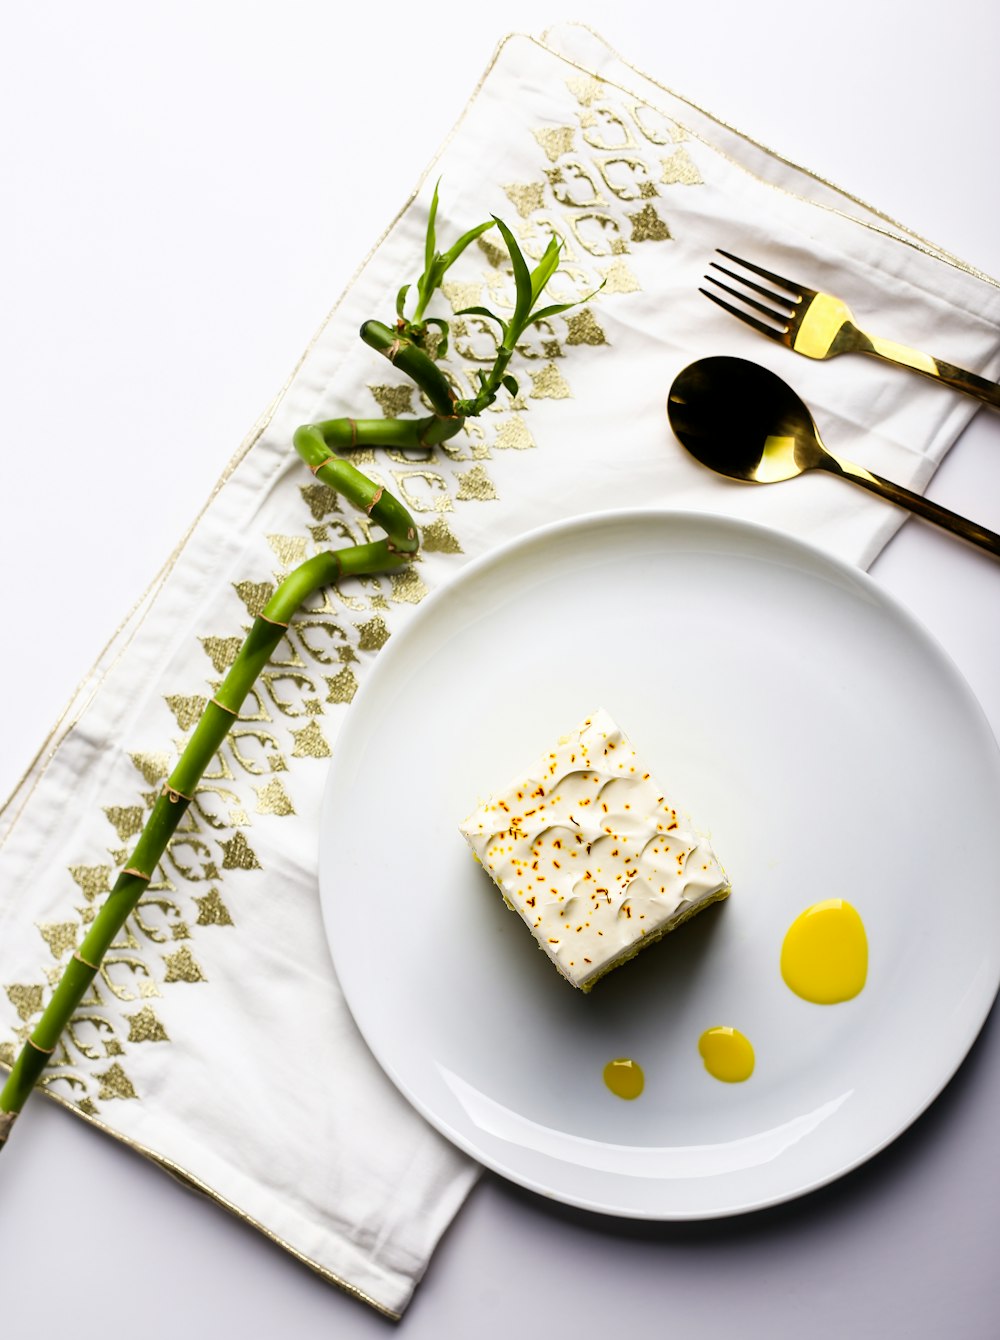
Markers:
point(807, 722)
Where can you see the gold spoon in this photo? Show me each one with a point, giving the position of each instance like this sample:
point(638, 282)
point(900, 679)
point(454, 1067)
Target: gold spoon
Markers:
point(741, 420)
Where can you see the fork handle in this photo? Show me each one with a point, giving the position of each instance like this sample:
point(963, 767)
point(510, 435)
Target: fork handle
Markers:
point(946, 373)
point(913, 502)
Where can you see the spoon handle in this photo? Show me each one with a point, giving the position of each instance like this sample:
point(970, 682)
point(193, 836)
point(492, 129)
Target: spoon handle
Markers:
point(914, 502)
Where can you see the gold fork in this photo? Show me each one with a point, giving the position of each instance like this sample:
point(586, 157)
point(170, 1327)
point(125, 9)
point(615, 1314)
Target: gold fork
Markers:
point(821, 326)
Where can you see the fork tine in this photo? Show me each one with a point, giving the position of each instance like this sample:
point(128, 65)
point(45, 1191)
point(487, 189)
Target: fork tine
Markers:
point(767, 274)
point(749, 283)
point(744, 316)
point(782, 317)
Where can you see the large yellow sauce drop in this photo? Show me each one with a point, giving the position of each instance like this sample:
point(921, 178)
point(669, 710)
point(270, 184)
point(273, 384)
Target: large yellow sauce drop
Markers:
point(624, 1077)
point(727, 1054)
point(824, 958)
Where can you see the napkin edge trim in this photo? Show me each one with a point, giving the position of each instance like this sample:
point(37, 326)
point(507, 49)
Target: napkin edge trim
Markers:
point(902, 233)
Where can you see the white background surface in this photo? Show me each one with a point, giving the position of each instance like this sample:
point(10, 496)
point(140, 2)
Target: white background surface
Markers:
point(186, 190)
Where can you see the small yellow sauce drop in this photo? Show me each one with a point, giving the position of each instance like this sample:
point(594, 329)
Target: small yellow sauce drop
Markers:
point(727, 1054)
point(824, 958)
point(624, 1077)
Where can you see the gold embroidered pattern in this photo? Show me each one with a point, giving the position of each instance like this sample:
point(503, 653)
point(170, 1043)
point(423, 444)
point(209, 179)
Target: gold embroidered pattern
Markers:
point(115, 1084)
point(60, 936)
point(238, 854)
point(586, 89)
point(272, 798)
point(152, 766)
point(254, 595)
point(27, 1000)
point(513, 435)
point(655, 126)
point(647, 226)
point(290, 549)
point(407, 586)
point(438, 538)
point(181, 967)
point(604, 128)
point(393, 401)
point(320, 499)
point(526, 197)
point(212, 911)
point(575, 185)
point(582, 328)
point(126, 820)
point(462, 295)
point(549, 384)
point(342, 687)
point(373, 634)
point(221, 651)
point(680, 169)
point(187, 709)
point(145, 1027)
point(309, 742)
point(618, 278)
point(555, 140)
point(475, 484)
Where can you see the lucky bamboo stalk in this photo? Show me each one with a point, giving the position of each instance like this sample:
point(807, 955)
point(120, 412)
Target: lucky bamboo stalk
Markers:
point(411, 346)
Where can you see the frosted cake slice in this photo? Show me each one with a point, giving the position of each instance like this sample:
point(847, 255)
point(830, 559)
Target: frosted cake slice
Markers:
point(587, 848)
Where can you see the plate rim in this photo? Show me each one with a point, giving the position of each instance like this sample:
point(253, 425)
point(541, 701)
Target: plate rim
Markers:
point(767, 536)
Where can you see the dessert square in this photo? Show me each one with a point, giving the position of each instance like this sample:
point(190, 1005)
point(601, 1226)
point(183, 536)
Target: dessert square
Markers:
point(588, 850)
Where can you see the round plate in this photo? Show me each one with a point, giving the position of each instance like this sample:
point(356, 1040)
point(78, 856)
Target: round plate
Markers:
point(805, 721)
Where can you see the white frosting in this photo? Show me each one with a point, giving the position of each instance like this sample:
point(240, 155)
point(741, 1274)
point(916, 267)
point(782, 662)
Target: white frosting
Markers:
point(588, 850)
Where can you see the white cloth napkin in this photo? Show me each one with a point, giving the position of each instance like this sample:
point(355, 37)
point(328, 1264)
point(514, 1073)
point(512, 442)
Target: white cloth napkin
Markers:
point(216, 1040)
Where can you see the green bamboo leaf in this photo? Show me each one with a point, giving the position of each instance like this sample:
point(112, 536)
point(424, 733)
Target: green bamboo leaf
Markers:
point(511, 384)
point(546, 267)
point(522, 277)
point(453, 253)
point(430, 243)
point(401, 300)
point(484, 311)
point(544, 313)
point(435, 273)
point(442, 325)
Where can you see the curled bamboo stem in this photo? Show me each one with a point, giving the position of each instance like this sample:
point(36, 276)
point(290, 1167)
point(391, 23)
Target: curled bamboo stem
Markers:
point(209, 733)
point(319, 445)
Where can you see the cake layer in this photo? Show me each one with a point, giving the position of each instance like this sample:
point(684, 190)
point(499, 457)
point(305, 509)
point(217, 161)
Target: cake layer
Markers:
point(587, 848)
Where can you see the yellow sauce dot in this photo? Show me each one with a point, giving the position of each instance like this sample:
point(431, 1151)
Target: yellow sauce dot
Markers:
point(824, 957)
point(624, 1077)
point(727, 1054)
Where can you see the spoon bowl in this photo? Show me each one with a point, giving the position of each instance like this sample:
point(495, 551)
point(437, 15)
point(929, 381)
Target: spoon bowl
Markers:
point(741, 420)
